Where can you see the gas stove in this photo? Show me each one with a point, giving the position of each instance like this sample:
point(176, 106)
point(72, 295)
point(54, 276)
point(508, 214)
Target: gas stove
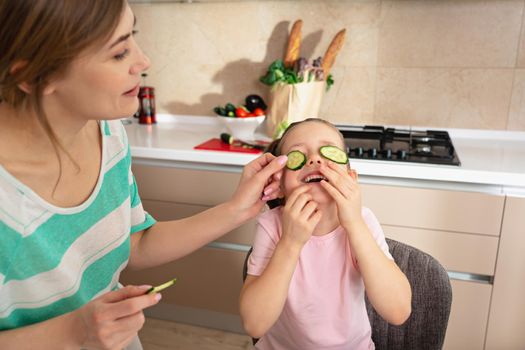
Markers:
point(399, 145)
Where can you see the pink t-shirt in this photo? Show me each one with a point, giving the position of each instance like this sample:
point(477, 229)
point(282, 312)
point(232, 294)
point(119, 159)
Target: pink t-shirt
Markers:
point(325, 307)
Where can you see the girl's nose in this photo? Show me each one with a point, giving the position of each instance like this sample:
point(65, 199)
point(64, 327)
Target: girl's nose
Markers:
point(314, 160)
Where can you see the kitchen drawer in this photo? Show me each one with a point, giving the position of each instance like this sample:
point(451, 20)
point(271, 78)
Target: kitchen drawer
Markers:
point(164, 211)
point(185, 186)
point(209, 279)
point(435, 209)
point(459, 252)
point(468, 317)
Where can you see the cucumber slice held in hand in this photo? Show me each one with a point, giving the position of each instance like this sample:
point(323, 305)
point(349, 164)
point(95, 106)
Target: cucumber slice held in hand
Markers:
point(334, 154)
point(296, 160)
point(161, 287)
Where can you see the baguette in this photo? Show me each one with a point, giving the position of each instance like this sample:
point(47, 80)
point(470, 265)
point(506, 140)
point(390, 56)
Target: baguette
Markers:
point(332, 51)
point(294, 44)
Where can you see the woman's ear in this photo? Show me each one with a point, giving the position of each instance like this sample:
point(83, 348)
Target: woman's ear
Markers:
point(25, 86)
point(15, 68)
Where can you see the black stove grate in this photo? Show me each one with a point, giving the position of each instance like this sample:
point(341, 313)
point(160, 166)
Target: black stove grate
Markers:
point(399, 145)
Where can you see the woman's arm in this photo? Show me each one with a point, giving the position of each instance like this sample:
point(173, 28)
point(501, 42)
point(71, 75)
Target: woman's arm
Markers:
point(62, 332)
point(167, 241)
point(110, 321)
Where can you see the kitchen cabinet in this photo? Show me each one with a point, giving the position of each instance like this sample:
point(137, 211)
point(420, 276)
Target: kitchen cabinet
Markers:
point(209, 280)
point(448, 225)
point(476, 236)
point(507, 312)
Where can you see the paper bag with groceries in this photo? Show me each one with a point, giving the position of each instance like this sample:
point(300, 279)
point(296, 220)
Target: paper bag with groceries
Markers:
point(297, 86)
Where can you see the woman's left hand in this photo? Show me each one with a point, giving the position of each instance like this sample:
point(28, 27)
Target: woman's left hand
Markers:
point(259, 183)
point(343, 187)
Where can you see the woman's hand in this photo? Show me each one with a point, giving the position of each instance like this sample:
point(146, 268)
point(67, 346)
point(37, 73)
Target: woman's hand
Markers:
point(112, 320)
point(259, 183)
point(343, 187)
point(300, 217)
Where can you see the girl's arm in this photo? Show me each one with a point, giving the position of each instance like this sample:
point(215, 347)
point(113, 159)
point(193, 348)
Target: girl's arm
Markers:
point(386, 286)
point(168, 241)
point(262, 298)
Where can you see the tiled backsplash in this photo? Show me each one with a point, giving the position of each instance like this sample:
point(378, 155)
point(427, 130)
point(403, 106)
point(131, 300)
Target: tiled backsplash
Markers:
point(455, 63)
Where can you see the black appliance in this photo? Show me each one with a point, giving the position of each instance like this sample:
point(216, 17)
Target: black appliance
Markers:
point(399, 145)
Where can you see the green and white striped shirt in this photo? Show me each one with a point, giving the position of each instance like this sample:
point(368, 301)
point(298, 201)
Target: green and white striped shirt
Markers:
point(54, 260)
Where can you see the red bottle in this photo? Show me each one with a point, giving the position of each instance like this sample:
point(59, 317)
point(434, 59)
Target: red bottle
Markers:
point(146, 112)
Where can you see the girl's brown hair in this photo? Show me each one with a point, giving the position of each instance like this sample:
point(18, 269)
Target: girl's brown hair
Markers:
point(39, 40)
point(275, 148)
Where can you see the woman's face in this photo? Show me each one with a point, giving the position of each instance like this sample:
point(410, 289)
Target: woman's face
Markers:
point(104, 83)
point(307, 138)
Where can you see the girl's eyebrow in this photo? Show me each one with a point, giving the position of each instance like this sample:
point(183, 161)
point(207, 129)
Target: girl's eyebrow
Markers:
point(296, 145)
point(125, 36)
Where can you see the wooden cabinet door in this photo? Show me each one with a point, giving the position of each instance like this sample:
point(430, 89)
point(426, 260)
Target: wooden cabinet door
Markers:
point(507, 310)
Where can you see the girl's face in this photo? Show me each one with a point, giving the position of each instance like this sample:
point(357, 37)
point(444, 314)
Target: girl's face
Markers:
point(308, 138)
point(103, 83)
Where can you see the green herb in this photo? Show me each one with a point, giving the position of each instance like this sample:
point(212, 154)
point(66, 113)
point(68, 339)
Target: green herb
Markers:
point(277, 72)
point(329, 82)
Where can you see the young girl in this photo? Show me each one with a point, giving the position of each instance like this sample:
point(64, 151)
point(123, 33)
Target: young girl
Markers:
point(314, 258)
point(70, 215)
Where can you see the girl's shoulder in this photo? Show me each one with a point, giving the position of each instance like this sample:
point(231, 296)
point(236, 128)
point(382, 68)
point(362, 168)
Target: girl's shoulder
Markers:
point(270, 218)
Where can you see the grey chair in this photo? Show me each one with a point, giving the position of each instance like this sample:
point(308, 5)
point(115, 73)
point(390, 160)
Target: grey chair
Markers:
point(431, 300)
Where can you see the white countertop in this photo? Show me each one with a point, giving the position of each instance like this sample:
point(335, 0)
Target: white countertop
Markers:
point(491, 161)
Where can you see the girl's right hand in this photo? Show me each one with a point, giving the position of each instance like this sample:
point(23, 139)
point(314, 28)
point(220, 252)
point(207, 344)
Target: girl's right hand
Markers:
point(112, 320)
point(300, 216)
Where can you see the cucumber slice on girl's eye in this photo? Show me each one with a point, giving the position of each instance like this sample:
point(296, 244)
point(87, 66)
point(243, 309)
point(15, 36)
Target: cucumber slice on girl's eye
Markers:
point(296, 160)
point(334, 154)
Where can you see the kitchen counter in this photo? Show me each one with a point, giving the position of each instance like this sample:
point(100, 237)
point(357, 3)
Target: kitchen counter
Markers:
point(491, 161)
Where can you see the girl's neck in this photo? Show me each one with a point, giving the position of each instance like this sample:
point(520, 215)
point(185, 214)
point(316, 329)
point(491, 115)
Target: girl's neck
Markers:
point(329, 220)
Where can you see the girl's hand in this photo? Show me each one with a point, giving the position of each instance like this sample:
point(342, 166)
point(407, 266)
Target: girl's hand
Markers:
point(343, 187)
point(300, 217)
point(259, 183)
point(112, 320)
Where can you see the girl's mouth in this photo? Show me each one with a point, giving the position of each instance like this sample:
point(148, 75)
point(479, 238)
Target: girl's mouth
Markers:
point(314, 178)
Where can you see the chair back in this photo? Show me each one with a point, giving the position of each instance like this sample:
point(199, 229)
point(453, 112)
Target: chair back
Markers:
point(431, 302)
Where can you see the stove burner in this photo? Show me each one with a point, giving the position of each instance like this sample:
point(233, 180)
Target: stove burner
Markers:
point(405, 145)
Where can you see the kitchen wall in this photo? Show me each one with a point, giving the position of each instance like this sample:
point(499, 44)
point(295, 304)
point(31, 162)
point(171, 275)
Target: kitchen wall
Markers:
point(457, 63)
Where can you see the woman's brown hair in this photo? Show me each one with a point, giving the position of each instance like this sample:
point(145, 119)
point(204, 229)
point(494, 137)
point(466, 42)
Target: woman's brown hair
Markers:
point(38, 41)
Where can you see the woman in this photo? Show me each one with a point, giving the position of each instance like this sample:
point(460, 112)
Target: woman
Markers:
point(71, 215)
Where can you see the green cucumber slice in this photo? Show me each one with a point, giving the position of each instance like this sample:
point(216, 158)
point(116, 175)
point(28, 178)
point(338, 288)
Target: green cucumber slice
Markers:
point(335, 154)
point(161, 287)
point(296, 160)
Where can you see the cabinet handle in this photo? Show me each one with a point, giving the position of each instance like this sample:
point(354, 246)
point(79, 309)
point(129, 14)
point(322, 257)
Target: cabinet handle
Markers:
point(470, 277)
point(229, 246)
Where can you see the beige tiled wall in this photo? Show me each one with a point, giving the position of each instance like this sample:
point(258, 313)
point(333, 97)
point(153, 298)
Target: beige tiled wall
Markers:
point(456, 63)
